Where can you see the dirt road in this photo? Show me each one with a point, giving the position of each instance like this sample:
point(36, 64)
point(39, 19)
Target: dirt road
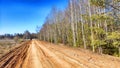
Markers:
point(38, 54)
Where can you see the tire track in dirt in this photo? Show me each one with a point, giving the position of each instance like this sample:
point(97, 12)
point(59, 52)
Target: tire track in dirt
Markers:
point(38, 54)
point(58, 63)
point(34, 57)
point(89, 60)
point(72, 60)
point(11, 58)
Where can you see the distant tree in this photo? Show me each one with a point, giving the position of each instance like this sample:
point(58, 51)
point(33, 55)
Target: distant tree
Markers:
point(34, 35)
point(18, 35)
point(2, 36)
point(8, 36)
point(26, 35)
point(16, 38)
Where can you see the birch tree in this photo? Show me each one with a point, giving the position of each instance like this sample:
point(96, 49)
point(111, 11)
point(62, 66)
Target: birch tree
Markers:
point(72, 23)
point(82, 25)
point(91, 26)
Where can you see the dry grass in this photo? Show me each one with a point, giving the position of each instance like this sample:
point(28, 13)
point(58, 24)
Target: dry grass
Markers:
point(6, 46)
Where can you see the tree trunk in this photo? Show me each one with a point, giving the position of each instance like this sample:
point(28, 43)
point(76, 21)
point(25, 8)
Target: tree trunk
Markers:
point(72, 23)
point(100, 50)
point(91, 26)
point(83, 35)
point(119, 51)
point(105, 23)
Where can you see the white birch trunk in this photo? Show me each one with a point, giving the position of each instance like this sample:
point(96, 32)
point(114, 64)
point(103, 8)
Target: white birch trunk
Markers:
point(72, 23)
point(83, 35)
point(89, 7)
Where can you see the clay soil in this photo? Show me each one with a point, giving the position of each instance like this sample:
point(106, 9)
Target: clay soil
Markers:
point(39, 54)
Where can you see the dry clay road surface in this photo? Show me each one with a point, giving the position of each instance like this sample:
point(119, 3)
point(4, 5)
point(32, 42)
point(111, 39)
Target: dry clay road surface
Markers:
point(38, 54)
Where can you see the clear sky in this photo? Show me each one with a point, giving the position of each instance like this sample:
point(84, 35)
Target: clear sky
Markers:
point(16, 16)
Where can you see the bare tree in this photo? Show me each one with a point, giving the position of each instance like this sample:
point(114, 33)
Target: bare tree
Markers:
point(82, 25)
point(91, 25)
point(72, 23)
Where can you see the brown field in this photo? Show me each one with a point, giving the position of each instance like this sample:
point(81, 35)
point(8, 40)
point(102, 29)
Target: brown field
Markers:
point(6, 45)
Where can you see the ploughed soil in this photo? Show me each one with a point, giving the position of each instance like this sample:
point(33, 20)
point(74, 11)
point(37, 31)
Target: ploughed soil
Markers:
point(39, 54)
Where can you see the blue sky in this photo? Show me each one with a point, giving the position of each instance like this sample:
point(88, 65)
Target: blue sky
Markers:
point(16, 16)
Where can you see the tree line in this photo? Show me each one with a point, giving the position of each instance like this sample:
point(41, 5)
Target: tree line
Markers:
point(89, 24)
point(19, 36)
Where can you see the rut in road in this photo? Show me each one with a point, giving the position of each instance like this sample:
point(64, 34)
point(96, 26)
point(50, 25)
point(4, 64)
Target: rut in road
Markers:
point(39, 54)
